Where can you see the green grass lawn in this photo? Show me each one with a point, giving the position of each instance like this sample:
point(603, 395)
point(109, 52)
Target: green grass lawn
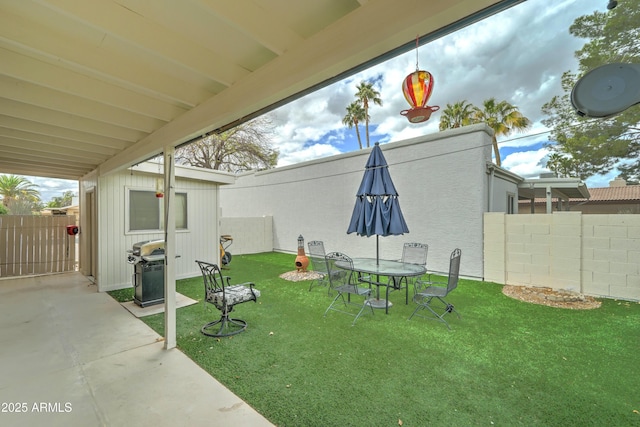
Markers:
point(504, 363)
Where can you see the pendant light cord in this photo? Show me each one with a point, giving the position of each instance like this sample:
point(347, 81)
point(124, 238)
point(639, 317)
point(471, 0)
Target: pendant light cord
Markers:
point(417, 44)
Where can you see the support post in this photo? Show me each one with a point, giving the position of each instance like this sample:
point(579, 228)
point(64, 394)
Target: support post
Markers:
point(549, 202)
point(169, 249)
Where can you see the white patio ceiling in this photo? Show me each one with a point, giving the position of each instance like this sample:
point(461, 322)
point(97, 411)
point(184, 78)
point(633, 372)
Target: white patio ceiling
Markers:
point(88, 84)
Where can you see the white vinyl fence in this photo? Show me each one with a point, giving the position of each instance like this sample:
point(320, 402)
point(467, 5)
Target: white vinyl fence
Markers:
point(32, 245)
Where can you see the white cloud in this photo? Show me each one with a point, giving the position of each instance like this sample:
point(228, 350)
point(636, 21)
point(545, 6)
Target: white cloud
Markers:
point(315, 151)
point(532, 136)
point(527, 164)
point(518, 55)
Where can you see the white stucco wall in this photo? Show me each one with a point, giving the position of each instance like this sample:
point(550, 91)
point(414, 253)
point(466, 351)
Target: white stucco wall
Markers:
point(443, 191)
point(501, 184)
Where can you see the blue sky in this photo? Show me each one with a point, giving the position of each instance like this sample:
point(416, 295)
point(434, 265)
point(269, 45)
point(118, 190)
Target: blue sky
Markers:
point(518, 55)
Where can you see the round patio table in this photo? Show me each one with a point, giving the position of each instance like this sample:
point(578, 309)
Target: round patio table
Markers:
point(396, 271)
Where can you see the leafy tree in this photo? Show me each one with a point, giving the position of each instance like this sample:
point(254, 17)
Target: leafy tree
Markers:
point(17, 191)
point(355, 114)
point(3, 210)
point(457, 115)
point(501, 116)
point(596, 146)
point(629, 174)
point(562, 165)
point(60, 202)
point(243, 147)
point(365, 95)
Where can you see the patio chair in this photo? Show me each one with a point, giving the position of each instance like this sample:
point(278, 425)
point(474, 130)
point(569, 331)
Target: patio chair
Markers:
point(224, 296)
point(318, 263)
point(415, 253)
point(428, 291)
point(412, 253)
point(344, 281)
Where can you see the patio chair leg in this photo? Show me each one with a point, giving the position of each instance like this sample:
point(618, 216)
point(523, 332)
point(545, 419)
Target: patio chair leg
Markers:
point(227, 327)
point(333, 302)
point(317, 283)
point(439, 317)
point(366, 303)
point(449, 308)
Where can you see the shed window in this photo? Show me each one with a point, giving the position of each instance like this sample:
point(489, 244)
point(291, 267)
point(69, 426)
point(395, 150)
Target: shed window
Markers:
point(146, 211)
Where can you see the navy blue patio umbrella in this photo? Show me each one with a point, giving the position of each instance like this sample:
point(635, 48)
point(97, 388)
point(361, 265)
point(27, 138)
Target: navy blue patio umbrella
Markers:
point(377, 209)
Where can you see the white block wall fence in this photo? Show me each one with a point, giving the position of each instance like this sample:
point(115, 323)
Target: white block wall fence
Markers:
point(596, 255)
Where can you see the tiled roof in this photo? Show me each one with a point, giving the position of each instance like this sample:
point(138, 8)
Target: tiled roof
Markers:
point(609, 194)
point(606, 194)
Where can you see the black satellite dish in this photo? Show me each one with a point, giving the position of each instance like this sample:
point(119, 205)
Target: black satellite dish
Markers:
point(607, 90)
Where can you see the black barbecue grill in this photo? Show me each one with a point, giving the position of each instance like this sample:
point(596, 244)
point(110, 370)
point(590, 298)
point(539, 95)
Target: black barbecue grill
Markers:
point(148, 278)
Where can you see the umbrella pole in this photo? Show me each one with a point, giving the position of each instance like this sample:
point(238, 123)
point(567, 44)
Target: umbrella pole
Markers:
point(377, 263)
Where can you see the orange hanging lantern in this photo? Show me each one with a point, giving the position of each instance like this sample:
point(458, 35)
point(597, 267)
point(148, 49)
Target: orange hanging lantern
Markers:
point(417, 88)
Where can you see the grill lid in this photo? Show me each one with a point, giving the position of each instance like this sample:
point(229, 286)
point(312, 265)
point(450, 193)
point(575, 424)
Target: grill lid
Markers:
point(149, 247)
point(146, 251)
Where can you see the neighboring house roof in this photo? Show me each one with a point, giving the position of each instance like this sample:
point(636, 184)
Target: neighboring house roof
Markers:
point(614, 194)
point(604, 194)
point(63, 208)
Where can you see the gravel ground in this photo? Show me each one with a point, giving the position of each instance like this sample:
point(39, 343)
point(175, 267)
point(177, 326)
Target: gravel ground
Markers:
point(551, 297)
point(297, 276)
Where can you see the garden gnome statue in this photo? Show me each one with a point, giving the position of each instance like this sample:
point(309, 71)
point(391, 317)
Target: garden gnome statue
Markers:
point(302, 262)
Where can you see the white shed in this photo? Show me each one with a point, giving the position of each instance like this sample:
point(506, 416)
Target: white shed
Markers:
point(123, 209)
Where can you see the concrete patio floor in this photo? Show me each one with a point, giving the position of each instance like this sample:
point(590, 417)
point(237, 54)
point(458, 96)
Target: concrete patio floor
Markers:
point(70, 356)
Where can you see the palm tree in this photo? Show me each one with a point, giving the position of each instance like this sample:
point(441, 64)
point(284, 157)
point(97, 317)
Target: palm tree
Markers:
point(355, 114)
point(456, 115)
point(564, 166)
point(14, 187)
point(502, 117)
point(366, 94)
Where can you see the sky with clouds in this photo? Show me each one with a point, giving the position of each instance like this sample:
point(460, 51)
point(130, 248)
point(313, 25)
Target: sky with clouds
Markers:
point(518, 55)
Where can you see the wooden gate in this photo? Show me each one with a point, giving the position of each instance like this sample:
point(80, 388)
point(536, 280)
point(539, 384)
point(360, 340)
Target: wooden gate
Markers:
point(36, 245)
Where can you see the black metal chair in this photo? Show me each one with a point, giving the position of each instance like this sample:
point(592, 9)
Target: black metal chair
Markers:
point(412, 253)
point(224, 296)
point(344, 281)
point(318, 263)
point(427, 290)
